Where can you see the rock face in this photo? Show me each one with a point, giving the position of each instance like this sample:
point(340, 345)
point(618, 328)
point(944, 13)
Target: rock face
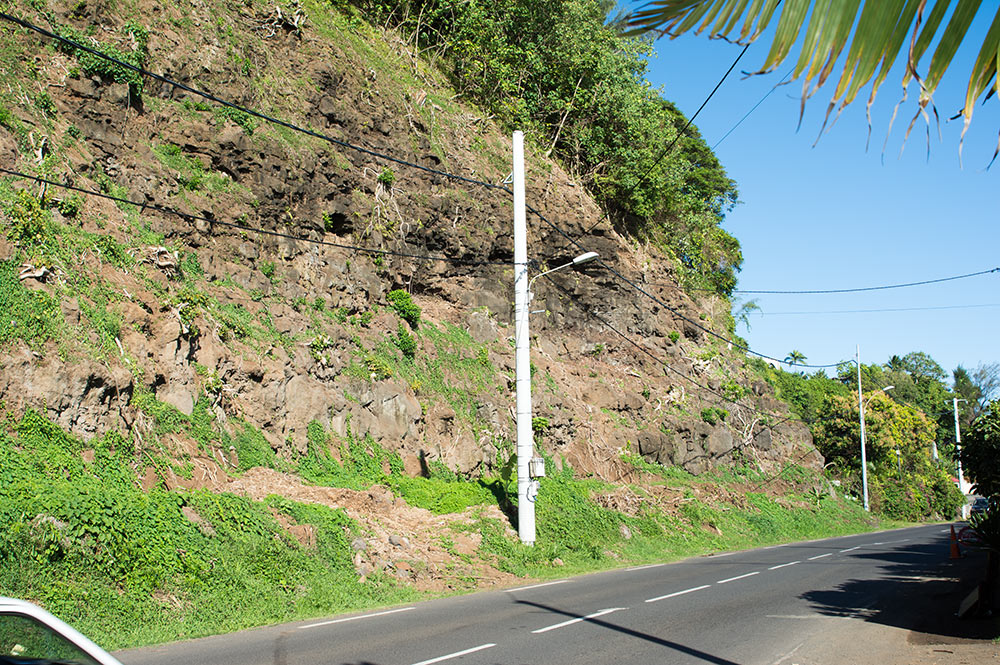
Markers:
point(270, 316)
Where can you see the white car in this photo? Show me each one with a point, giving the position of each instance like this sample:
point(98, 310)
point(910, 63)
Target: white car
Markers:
point(31, 636)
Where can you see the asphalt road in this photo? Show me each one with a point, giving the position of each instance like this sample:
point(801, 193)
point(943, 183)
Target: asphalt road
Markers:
point(754, 607)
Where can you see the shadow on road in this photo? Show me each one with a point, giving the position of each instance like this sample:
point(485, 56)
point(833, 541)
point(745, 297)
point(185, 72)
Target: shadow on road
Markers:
point(697, 653)
point(919, 589)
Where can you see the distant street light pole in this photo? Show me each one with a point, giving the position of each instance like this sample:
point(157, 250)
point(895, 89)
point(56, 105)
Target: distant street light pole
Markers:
point(958, 445)
point(527, 485)
point(861, 416)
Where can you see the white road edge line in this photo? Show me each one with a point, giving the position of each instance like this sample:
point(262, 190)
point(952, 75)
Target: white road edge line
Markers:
point(569, 623)
point(820, 556)
point(678, 593)
point(360, 616)
point(652, 565)
point(738, 577)
point(783, 565)
point(851, 549)
point(535, 586)
point(457, 654)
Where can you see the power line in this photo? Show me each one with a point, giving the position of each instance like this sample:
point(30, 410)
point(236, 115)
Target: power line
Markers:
point(877, 311)
point(257, 114)
point(345, 144)
point(872, 288)
point(589, 312)
point(752, 109)
point(662, 155)
point(691, 119)
point(680, 133)
point(262, 231)
point(674, 311)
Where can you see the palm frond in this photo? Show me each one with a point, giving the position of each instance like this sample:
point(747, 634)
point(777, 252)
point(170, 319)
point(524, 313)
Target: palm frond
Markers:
point(873, 32)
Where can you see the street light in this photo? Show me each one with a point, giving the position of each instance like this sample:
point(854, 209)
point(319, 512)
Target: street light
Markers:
point(864, 460)
point(527, 469)
point(958, 449)
point(583, 258)
point(861, 416)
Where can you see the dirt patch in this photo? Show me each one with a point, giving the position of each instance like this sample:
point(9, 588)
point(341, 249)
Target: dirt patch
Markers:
point(432, 552)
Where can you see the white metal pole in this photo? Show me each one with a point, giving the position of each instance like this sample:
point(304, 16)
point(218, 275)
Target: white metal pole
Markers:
point(864, 458)
point(522, 360)
point(958, 448)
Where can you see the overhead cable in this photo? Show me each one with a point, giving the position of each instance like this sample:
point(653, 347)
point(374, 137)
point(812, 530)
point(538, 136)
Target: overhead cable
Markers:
point(879, 311)
point(252, 229)
point(752, 109)
point(871, 288)
point(681, 133)
point(345, 144)
point(589, 312)
point(673, 310)
point(691, 119)
point(243, 109)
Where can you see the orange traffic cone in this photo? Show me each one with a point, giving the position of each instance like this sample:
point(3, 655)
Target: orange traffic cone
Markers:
point(955, 552)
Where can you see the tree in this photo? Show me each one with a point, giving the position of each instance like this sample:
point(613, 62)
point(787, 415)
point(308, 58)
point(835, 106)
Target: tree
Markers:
point(561, 71)
point(883, 32)
point(795, 357)
point(742, 312)
point(987, 380)
point(967, 390)
point(981, 451)
point(917, 487)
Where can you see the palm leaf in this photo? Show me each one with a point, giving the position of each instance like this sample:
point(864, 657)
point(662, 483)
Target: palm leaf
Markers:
point(872, 31)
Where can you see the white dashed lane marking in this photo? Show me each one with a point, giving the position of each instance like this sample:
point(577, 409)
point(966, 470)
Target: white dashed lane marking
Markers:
point(577, 620)
point(357, 618)
point(678, 593)
point(738, 577)
point(535, 586)
point(784, 565)
point(457, 654)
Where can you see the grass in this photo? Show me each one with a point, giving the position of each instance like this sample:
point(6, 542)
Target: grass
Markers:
point(129, 567)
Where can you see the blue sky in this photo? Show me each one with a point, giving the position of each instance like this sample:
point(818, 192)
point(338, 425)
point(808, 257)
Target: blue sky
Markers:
point(834, 216)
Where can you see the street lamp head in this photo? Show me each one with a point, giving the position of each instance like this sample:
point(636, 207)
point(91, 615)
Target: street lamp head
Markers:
point(585, 258)
point(888, 387)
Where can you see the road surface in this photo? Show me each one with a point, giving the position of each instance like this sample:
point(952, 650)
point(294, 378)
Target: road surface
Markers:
point(771, 606)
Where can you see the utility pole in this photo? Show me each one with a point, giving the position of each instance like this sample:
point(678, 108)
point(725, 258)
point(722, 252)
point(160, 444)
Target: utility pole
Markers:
point(861, 412)
point(958, 446)
point(527, 489)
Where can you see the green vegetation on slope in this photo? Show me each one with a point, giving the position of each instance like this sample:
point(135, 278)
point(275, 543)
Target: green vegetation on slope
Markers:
point(558, 71)
point(132, 567)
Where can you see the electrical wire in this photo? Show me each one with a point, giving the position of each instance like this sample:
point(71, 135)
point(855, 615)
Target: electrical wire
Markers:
point(257, 114)
point(681, 133)
point(635, 286)
point(251, 229)
point(673, 310)
point(345, 144)
point(691, 119)
point(878, 311)
point(872, 288)
point(752, 109)
point(589, 312)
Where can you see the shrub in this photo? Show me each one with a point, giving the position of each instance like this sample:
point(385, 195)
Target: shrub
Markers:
point(713, 415)
point(404, 306)
point(406, 342)
point(387, 177)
